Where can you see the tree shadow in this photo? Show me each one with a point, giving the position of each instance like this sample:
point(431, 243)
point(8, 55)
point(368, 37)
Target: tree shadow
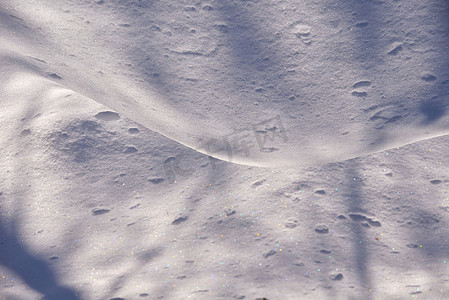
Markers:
point(33, 270)
point(382, 40)
point(436, 104)
point(354, 204)
point(15, 255)
point(433, 110)
point(427, 103)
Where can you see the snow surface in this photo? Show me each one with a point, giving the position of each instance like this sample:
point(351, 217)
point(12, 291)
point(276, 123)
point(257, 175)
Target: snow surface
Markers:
point(224, 149)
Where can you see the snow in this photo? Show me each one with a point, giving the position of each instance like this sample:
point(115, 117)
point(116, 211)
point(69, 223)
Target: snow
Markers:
point(224, 149)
